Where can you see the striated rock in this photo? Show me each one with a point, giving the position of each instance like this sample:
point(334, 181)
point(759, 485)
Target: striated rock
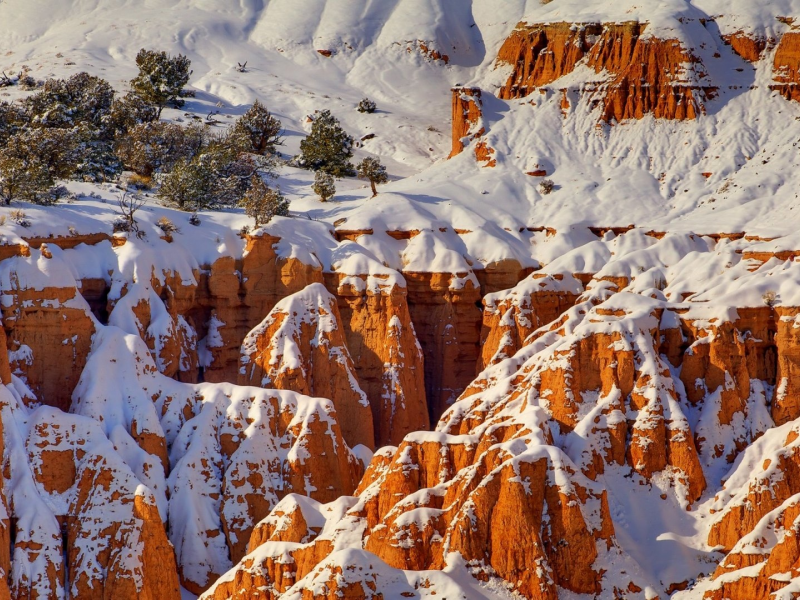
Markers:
point(85, 522)
point(387, 356)
point(237, 297)
point(468, 124)
point(447, 322)
point(786, 66)
point(767, 475)
point(510, 317)
point(648, 75)
point(47, 323)
point(300, 346)
point(749, 47)
point(765, 561)
point(540, 54)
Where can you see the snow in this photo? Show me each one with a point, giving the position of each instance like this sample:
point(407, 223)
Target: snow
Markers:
point(464, 218)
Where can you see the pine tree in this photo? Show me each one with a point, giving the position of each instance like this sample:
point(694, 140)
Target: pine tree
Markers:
point(161, 78)
point(324, 185)
point(261, 128)
point(328, 147)
point(371, 169)
point(262, 202)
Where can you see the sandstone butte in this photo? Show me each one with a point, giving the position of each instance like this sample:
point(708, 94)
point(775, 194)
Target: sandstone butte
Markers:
point(259, 490)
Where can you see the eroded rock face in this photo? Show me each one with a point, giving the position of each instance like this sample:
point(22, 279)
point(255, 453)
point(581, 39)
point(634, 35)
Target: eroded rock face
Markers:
point(301, 346)
point(74, 496)
point(648, 74)
point(468, 125)
point(786, 66)
point(757, 519)
point(47, 323)
point(388, 359)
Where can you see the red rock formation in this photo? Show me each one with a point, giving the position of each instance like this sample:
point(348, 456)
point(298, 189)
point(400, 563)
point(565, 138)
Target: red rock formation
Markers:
point(239, 296)
point(111, 540)
point(786, 66)
point(748, 47)
point(468, 124)
point(387, 356)
point(774, 549)
point(540, 54)
point(48, 328)
point(649, 74)
point(447, 322)
point(508, 319)
point(300, 346)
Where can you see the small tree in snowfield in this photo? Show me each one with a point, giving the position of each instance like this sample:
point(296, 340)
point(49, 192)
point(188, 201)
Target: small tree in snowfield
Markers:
point(259, 127)
point(328, 147)
point(161, 78)
point(324, 185)
point(371, 169)
point(262, 202)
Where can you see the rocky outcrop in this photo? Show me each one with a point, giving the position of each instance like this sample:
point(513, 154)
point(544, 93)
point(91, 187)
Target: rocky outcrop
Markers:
point(237, 295)
point(85, 523)
point(467, 124)
point(48, 325)
point(749, 47)
point(648, 75)
point(388, 359)
point(447, 320)
point(510, 317)
point(300, 346)
point(786, 66)
point(757, 520)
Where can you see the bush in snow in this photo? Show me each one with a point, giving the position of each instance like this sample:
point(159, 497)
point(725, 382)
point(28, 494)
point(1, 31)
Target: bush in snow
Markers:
point(157, 147)
point(12, 120)
point(328, 147)
point(263, 202)
point(546, 186)
point(167, 226)
point(367, 106)
point(260, 128)
point(126, 221)
point(161, 78)
point(372, 170)
point(19, 217)
point(324, 185)
point(194, 219)
point(769, 298)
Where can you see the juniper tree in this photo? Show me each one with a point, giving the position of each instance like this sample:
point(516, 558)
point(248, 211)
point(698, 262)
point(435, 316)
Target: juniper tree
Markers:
point(161, 78)
point(156, 147)
point(371, 169)
point(263, 202)
point(328, 147)
point(367, 106)
point(82, 99)
point(324, 185)
point(127, 112)
point(260, 128)
point(189, 185)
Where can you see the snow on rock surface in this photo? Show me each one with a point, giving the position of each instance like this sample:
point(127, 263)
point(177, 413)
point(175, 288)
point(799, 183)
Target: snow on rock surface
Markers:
point(609, 363)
